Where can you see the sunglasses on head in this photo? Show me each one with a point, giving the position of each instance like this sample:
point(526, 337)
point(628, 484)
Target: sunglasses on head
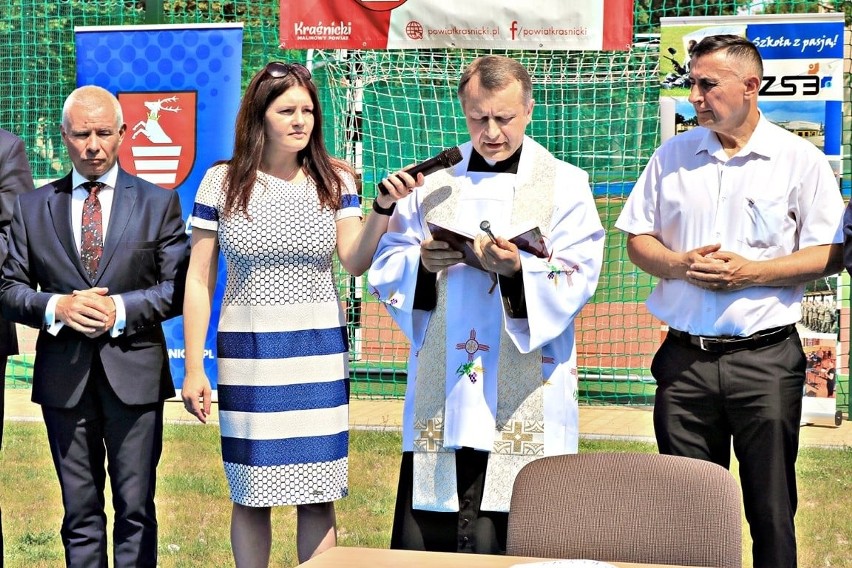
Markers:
point(278, 69)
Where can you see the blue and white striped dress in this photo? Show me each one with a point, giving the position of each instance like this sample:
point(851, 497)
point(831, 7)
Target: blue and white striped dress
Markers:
point(281, 345)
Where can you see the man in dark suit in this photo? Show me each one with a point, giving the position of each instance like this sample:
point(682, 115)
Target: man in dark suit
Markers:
point(15, 178)
point(94, 261)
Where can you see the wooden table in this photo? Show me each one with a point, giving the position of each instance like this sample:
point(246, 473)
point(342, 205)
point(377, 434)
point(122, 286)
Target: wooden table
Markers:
point(351, 557)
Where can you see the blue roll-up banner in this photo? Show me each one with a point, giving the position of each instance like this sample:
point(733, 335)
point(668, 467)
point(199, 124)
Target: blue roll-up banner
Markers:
point(179, 88)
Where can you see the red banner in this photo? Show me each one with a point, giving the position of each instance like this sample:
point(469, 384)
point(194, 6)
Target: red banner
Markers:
point(412, 24)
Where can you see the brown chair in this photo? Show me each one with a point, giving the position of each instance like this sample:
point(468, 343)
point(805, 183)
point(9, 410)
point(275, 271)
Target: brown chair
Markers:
point(627, 507)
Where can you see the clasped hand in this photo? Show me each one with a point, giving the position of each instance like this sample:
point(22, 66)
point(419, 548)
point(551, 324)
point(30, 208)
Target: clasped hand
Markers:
point(713, 269)
point(91, 312)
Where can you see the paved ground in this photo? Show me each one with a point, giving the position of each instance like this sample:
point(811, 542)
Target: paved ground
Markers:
point(623, 422)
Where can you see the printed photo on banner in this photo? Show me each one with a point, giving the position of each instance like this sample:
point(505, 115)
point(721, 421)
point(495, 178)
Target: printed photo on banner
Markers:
point(819, 330)
point(824, 356)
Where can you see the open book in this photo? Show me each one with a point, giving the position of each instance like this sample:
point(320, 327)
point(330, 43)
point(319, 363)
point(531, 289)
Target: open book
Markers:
point(527, 239)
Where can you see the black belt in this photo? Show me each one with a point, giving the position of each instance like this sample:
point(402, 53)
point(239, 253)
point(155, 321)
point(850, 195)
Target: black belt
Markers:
point(726, 344)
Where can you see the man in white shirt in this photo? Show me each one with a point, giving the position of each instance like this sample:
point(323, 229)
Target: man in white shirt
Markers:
point(492, 373)
point(734, 217)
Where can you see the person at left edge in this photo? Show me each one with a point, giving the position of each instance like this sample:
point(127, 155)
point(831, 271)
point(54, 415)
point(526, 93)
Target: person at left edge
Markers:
point(15, 178)
point(101, 368)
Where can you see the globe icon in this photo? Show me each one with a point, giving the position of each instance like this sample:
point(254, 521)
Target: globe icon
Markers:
point(414, 30)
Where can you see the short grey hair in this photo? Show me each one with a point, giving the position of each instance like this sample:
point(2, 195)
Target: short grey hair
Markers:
point(88, 92)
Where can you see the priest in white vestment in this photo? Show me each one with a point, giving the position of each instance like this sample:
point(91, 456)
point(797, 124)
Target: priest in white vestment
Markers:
point(492, 373)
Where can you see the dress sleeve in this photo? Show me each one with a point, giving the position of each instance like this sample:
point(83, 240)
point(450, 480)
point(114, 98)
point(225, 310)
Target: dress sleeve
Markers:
point(350, 204)
point(208, 199)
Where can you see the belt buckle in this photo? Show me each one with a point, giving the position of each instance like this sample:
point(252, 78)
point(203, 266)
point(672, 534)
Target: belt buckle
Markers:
point(711, 344)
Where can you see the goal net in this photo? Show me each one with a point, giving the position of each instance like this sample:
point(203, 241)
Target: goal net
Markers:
point(596, 110)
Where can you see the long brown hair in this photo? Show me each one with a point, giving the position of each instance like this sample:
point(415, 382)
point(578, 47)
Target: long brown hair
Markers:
point(267, 85)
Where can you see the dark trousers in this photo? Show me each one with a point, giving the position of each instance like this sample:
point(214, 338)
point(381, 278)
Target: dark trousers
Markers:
point(753, 397)
point(130, 439)
point(2, 407)
point(468, 530)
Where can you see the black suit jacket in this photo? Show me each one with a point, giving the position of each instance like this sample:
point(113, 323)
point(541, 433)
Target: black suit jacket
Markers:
point(144, 260)
point(15, 178)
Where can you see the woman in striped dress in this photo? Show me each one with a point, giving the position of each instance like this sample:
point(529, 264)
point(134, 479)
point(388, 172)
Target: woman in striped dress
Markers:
point(278, 210)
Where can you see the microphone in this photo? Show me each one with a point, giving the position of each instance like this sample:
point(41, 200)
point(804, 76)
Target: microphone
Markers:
point(485, 227)
point(445, 159)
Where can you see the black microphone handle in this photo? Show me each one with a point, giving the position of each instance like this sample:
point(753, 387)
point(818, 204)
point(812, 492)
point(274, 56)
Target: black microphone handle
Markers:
point(443, 160)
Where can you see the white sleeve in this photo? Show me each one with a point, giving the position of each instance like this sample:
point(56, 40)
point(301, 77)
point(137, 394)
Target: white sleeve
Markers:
point(556, 289)
point(639, 214)
point(393, 274)
point(821, 202)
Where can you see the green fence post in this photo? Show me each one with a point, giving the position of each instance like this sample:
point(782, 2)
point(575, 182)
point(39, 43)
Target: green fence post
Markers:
point(154, 12)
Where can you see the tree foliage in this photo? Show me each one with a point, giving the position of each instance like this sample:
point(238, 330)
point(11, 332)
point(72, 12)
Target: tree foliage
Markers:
point(808, 6)
point(648, 12)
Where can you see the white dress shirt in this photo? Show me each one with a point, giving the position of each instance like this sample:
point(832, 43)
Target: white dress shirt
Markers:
point(78, 196)
point(777, 195)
